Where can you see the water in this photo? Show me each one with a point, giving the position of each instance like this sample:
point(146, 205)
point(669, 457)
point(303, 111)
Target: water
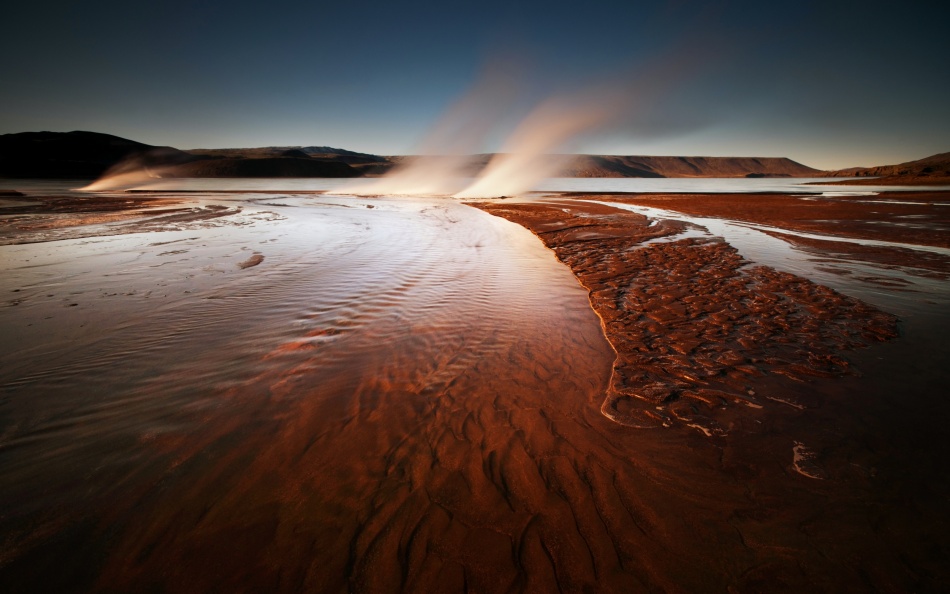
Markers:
point(921, 291)
point(564, 184)
point(373, 327)
point(784, 185)
point(404, 395)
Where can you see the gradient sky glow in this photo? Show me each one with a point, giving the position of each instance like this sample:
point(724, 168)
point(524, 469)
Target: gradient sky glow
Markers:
point(829, 84)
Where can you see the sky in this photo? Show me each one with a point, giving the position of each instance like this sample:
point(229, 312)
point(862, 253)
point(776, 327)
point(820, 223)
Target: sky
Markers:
point(829, 84)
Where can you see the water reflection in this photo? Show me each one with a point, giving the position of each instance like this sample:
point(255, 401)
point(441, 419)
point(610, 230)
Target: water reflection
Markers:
point(755, 244)
point(403, 395)
point(378, 342)
point(648, 185)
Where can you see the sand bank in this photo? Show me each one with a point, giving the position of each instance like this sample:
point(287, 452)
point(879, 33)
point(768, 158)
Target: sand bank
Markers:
point(690, 321)
point(926, 214)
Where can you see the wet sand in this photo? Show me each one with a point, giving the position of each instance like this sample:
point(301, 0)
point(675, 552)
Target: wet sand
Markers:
point(690, 321)
point(407, 396)
point(926, 215)
point(34, 219)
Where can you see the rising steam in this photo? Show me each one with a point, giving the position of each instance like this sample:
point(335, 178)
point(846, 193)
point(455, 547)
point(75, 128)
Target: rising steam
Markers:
point(138, 169)
point(129, 173)
point(530, 149)
point(528, 152)
point(526, 157)
point(452, 157)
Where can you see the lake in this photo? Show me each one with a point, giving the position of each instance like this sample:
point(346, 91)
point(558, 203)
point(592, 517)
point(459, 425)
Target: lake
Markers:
point(324, 392)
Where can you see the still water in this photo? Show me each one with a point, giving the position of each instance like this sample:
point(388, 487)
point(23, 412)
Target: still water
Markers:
point(919, 290)
point(403, 395)
point(563, 184)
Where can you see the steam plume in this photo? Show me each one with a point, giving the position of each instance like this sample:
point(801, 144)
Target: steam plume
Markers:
point(138, 169)
point(529, 150)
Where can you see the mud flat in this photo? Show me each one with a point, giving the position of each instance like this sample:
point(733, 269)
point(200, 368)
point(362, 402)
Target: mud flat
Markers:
point(710, 342)
point(690, 321)
point(36, 219)
point(407, 395)
point(921, 218)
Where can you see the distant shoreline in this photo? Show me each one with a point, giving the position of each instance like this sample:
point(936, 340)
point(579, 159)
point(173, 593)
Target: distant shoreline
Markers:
point(890, 180)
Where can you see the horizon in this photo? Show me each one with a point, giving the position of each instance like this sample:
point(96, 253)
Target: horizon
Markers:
point(812, 83)
point(589, 154)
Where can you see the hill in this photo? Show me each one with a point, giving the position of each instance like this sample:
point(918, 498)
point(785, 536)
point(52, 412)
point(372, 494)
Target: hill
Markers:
point(932, 170)
point(644, 166)
point(363, 163)
point(263, 167)
point(76, 154)
point(90, 155)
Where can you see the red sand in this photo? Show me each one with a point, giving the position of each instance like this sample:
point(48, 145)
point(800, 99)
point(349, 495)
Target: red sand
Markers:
point(689, 321)
point(848, 216)
point(502, 475)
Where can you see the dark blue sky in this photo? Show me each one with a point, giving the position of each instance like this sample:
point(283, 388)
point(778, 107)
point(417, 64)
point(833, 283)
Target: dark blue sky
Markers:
point(830, 84)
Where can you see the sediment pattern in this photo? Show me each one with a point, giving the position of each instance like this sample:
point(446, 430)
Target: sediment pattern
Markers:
point(690, 319)
point(403, 398)
point(54, 218)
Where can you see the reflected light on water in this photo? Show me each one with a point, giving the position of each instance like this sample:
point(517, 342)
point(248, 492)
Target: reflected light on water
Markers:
point(755, 244)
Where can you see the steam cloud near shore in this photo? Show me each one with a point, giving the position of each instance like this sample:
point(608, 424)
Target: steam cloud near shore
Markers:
point(531, 149)
point(528, 153)
point(129, 173)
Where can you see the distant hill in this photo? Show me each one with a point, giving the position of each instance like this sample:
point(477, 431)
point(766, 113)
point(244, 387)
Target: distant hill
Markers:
point(76, 154)
point(644, 166)
point(362, 162)
point(581, 165)
point(90, 154)
point(276, 151)
point(929, 170)
point(263, 167)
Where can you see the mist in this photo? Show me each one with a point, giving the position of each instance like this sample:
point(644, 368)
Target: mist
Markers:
point(453, 152)
point(502, 110)
point(504, 135)
point(138, 169)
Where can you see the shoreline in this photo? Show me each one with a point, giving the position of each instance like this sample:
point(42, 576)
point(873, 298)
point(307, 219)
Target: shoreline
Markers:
point(39, 219)
point(849, 216)
point(690, 320)
point(365, 392)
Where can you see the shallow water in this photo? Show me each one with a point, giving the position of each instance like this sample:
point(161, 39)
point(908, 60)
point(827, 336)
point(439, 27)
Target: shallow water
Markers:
point(921, 291)
point(561, 184)
point(125, 357)
point(171, 312)
point(406, 398)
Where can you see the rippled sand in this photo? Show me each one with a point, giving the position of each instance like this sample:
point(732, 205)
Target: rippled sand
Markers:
point(405, 395)
point(691, 320)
